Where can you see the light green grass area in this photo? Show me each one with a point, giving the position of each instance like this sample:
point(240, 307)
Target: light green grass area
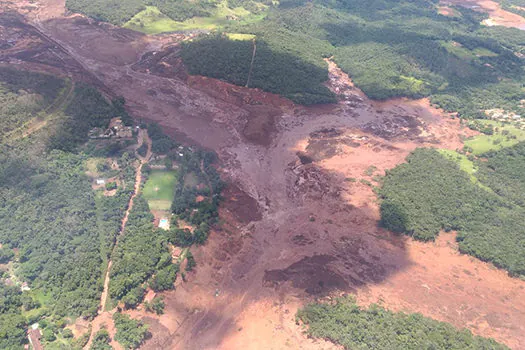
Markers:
point(159, 189)
point(152, 21)
point(239, 36)
point(92, 165)
point(483, 52)
point(465, 164)
point(484, 143)
point(462, 52)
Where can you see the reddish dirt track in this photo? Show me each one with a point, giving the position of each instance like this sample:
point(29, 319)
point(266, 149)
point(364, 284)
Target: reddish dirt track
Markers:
point(294, 227)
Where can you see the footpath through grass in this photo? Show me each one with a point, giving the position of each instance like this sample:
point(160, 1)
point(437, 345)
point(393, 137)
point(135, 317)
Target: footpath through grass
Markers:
point(159, 189)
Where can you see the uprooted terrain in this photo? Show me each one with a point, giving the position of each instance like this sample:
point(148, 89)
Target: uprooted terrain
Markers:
point(300, 214)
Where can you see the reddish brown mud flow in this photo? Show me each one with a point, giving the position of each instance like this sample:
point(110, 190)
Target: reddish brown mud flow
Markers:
point(298, 223)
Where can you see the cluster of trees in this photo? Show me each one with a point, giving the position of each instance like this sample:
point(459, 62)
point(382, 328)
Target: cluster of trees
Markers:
point(13, 325)
point(101, 341)
point(48, 212)
point(62, 230)
point(202, 214)
point(130, 332)
point(273, 70)
point(87, 109)
point(141, 252)
point(156, 305)
point(430, 193)
point(119, 12)
point(516, 6)
point(354, 327)
point(390, 49)
point(160, 142)
point(23, 95)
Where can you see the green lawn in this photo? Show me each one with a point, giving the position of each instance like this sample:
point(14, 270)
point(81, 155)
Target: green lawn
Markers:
point(484, 143)
point(152, 21)
point(239, 36)
point(465, 164)
point(159, 189)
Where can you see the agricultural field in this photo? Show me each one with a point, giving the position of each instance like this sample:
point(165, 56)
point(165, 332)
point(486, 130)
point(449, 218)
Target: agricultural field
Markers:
point(159, 189)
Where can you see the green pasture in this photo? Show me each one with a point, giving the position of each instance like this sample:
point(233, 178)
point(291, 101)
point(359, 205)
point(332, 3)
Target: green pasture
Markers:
point(159, 189)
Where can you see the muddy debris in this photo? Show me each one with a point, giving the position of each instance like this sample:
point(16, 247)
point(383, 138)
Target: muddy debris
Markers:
point(312, 274)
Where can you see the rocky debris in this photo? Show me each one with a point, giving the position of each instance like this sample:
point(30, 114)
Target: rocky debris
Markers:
point(312, 183)
point(397, 126)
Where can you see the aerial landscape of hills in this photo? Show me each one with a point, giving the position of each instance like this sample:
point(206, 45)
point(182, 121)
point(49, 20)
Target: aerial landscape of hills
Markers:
point(240, 174)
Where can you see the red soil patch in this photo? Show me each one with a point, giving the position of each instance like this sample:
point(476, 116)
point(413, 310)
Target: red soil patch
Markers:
point(497, 16)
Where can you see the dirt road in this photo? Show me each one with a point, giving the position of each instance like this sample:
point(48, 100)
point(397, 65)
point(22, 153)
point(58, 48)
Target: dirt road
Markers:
point(298, 222)
point(105, 317)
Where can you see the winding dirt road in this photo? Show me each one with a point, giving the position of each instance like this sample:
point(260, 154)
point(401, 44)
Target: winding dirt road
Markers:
point(105, 317)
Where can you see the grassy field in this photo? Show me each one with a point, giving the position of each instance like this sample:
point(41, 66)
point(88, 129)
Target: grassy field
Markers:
point(159, 189)
point(465, 164)
point(239, 36)
point(465, 53)
point(484, 143)
point(152, 21)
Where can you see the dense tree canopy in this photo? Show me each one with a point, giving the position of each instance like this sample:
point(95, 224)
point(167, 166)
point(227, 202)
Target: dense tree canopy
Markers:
point(354, 327)
point(130, 332)
point(431, 193)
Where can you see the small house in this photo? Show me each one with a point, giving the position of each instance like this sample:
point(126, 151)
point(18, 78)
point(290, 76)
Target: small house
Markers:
point(25, 287)
point(100, 182)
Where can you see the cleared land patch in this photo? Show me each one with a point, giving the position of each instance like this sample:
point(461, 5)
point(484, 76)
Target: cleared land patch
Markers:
point(152, 21)
point(159, 189)
point(504, 135)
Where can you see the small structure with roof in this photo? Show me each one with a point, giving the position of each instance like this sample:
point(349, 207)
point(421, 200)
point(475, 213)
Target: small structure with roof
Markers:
point(164, 224)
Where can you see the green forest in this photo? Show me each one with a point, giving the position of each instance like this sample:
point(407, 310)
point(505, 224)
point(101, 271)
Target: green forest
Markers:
point(118, 12)
point(58, 233)
point(344, 322)
point(389, 48)
point(430, 193)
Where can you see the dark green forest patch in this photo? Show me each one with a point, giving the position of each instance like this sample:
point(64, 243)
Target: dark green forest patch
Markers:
point(354, 327)
point(431, 193)
point(273, 71)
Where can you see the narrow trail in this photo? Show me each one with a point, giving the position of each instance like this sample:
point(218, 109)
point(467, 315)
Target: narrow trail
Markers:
point(106, 317)
point(251, 64)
